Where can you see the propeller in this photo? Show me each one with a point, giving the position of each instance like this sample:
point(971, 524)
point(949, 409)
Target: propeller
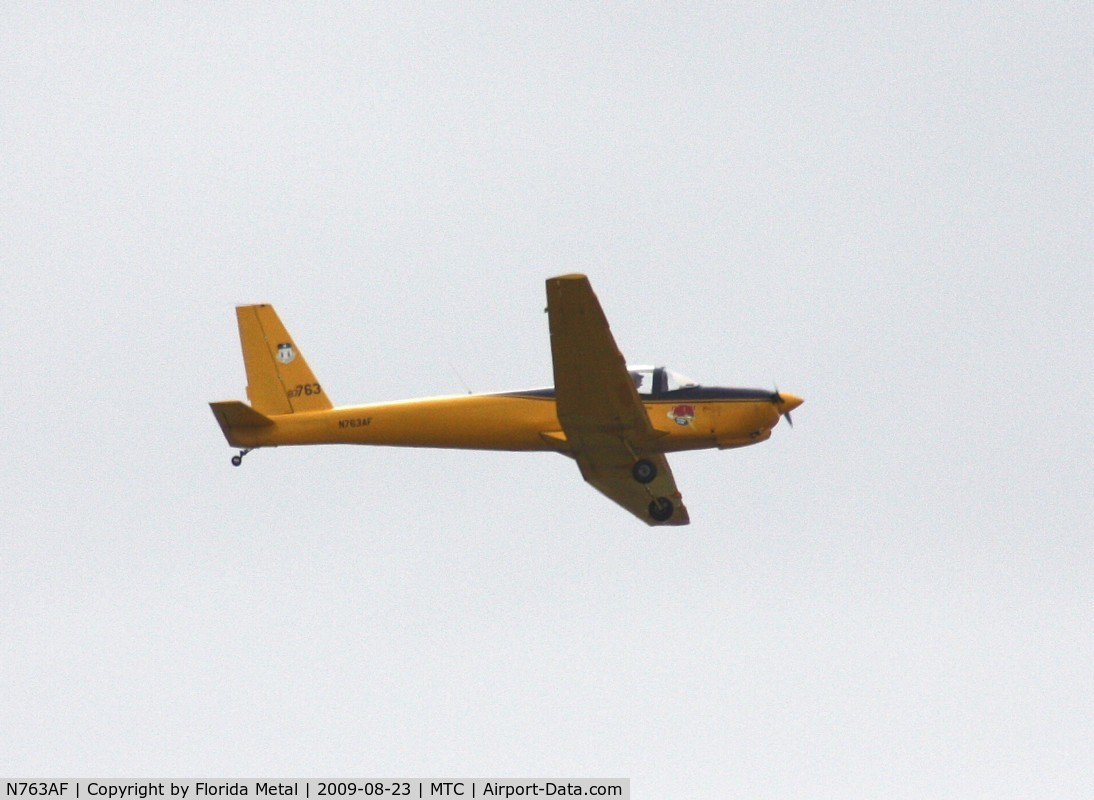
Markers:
point(778, 399)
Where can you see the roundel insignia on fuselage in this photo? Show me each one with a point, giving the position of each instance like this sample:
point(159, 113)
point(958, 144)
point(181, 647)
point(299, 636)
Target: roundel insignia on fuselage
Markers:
point(682, 415)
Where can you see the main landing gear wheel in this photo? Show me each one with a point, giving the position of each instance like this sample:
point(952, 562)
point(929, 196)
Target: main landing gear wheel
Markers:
point(238, 460)
point(644, 470)
point(661, 509)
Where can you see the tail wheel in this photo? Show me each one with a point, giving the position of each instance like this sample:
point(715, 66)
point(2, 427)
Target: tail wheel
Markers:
point(661, 509)
point(644, 470)
point(237, 460)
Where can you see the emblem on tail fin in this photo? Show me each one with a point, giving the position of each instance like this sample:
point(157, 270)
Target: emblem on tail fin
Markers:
point(285, 353)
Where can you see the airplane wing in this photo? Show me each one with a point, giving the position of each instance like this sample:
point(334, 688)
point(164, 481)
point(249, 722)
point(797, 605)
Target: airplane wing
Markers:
point(606, 426)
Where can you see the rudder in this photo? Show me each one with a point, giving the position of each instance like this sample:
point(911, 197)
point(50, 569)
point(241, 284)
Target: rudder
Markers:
point(279, 380)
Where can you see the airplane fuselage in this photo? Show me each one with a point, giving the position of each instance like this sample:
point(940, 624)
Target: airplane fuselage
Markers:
point(520, 421)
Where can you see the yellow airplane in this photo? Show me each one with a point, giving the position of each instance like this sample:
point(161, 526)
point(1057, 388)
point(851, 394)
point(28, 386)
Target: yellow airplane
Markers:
point(616, 421)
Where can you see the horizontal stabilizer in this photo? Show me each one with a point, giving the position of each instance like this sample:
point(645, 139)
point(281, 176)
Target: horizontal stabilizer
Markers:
point(232, 414)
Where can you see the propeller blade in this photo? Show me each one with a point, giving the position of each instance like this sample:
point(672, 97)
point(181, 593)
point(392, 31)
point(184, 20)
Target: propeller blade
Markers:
point(778, 400)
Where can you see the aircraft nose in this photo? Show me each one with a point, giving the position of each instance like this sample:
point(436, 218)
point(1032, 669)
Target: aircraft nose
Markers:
point(785, 403)
point(789, 402)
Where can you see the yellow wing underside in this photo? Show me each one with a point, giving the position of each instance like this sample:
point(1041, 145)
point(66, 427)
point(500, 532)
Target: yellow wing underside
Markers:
point(606, 426)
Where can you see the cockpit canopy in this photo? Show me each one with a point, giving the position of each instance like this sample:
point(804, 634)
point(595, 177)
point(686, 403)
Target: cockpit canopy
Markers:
point(656, 381)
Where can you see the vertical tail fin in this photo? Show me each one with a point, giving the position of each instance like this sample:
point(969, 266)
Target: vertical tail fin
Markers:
point(279, 380)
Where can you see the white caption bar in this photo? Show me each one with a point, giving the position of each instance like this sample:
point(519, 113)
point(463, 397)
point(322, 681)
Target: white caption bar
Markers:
point(324, 790)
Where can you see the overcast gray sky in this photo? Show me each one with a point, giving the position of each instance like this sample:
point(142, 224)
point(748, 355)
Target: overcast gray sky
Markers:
point(887, 212)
